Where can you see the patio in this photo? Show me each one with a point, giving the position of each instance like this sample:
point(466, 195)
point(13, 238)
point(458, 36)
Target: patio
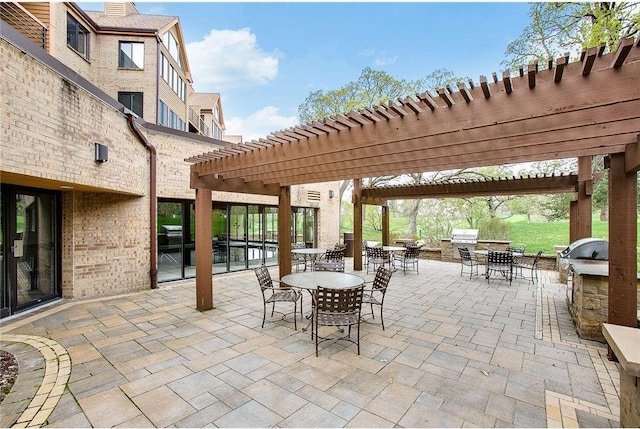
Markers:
point(455, 352)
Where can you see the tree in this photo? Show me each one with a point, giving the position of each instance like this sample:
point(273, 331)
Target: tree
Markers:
point(559, 28)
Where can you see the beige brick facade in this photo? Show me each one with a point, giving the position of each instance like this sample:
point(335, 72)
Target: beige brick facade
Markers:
point(49, 127)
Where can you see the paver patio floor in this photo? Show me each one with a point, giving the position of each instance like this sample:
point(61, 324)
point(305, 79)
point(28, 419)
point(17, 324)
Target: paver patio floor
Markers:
point(455, 352)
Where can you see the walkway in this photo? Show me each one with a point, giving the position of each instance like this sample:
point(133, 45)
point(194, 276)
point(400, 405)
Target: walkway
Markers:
point(455, 352)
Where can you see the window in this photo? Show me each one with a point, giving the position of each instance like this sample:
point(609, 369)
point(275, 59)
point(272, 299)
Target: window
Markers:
point(131, 55)
point(172, 46)
point(163, 114)
point(132, 101)
point(77, 36)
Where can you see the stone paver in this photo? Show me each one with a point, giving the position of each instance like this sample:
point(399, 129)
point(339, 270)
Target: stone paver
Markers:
point(455, 352)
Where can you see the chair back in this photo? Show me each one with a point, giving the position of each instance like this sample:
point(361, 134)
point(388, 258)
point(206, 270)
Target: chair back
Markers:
point(264, 277)
point(496, 257)
point(375, 252)
point(464, 253)
point(411, 252)
point(334, 254)
point(381, 280)
point(537, 258)
point(515, 249)
point(338, 307)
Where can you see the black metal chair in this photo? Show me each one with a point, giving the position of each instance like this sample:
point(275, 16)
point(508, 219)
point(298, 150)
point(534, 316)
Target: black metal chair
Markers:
point(468, 260)
point(340, 308)
point(521, 266)
point(333, 260)
point(271, 295)
point(500, 262)
point(408, 259)
point(377, 257)
point(375, 295)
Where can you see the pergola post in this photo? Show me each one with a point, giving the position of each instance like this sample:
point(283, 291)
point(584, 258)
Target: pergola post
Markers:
point(623, 299)
point(357, 224)
point(204, 252)
point(385, 224)
point(581, 207)
point(284, 231)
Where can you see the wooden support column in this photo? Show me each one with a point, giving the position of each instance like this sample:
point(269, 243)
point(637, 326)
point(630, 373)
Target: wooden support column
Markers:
point(204, 251)
point(284, 231)
point(623, 299)
point(573, 220)
point(385, 224)
point(357, 224)
point(585, 189)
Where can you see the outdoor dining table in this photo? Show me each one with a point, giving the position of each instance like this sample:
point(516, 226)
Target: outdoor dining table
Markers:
point(329, 279)
point(392, 250)
point(310, 252)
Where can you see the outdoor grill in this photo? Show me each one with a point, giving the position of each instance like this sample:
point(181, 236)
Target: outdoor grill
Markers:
point(173, 235)
point(463, 238)
point(595, 249)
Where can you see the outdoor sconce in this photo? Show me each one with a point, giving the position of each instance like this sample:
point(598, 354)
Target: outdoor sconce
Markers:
point(330, 193)
point(102, 153)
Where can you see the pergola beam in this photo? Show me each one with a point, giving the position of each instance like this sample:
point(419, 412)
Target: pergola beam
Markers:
point(505, 186)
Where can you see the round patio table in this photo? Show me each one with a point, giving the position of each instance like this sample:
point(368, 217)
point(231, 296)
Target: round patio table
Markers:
point(329, 279)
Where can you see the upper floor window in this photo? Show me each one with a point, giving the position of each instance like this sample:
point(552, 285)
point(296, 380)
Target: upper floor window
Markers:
point(77, 36)
point(171, 44)
point(131, 55)
point(132, 101)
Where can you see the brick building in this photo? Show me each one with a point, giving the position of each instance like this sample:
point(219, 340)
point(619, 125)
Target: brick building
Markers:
point(98, 114)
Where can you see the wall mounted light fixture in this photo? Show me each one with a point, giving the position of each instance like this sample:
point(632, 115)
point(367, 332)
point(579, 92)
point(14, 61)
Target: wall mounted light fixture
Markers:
point(102, 153)
point(330, 193)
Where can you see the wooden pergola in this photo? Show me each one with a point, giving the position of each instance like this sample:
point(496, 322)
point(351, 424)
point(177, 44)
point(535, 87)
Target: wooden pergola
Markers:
point(579, 109)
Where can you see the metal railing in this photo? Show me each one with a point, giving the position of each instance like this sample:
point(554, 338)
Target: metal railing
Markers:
point(198, 122)
point(23, 21)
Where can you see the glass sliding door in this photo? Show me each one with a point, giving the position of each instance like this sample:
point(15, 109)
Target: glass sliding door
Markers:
point(220, 237)
point(271, 235)
point(237, 237)
point(170, 241)
point(30, 243)
point(255, 236)
point(303, 226)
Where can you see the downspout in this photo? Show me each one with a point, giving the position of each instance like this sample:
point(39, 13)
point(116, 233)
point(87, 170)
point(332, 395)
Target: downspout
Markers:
point(153, 209)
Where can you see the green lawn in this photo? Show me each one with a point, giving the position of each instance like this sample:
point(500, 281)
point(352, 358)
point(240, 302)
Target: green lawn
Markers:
point(533, 235)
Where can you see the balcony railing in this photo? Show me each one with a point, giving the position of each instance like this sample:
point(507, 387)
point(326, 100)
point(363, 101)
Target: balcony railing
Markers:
point(23, 21)
point(198, 122)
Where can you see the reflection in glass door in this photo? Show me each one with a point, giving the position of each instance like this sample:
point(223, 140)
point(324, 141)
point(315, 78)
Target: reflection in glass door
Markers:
point(30, 224)
point(237, 237)
point(271, 235)
point(255, 228)
point(170, 237)
point(220, 234)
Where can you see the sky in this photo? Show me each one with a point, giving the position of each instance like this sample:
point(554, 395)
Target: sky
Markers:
point(265, 58)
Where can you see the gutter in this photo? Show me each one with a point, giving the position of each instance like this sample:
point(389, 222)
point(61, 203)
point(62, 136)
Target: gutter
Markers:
point(153, 204)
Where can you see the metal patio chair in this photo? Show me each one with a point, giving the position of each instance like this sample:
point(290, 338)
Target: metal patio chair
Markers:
point(375, 295)
point(521, 266)
point(409, 258)
point(271, 295)
point(340, 308)
point(468, 260)
point(500, 262)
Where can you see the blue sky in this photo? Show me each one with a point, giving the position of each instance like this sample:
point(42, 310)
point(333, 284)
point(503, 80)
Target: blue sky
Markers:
point(265, 58)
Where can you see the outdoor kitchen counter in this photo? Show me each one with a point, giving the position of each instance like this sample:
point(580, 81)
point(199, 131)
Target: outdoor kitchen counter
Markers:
point(588, 297)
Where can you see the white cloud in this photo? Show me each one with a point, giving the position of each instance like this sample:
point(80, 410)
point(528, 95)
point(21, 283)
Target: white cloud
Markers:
point(227, 59)
point(385, 61)
point(259, 124)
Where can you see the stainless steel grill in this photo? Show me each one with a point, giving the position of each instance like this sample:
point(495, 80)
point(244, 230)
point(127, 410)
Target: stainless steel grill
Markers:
point(595, 249)
point(463, 238)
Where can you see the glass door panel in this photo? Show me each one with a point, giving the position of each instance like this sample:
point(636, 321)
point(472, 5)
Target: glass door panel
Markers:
point(238, 238)
point(220, 237)
point(169, 241)
point(255, 228)
point(271, 235)
point(32, 265)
